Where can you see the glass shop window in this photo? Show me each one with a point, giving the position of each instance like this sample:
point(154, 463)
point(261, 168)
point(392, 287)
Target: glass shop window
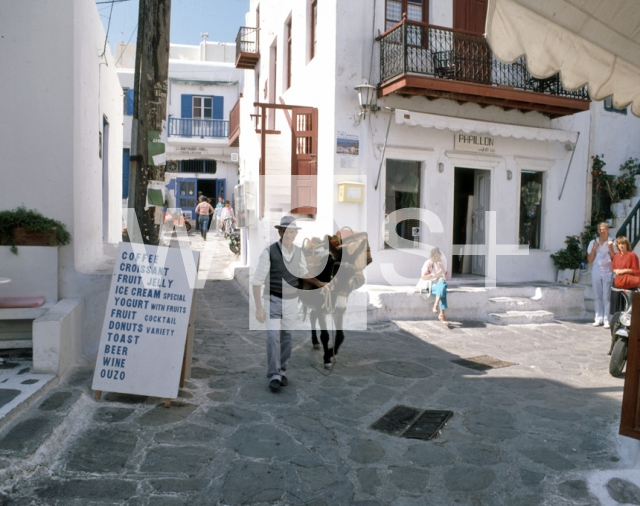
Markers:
point(402, 192)
point(531, 208)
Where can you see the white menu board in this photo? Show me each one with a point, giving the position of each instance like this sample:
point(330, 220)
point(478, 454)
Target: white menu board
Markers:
point(146, 321)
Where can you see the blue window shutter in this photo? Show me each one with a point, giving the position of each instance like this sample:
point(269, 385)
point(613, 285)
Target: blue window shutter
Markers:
point(218, 107)
point(125, 173)
point(130, 93)
point(186, 106)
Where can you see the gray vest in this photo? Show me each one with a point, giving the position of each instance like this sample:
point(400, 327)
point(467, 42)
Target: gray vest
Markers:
point(279, 272)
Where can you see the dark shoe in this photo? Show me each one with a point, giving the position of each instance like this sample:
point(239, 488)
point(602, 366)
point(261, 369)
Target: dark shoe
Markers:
point(274, 385)
point(284, 381)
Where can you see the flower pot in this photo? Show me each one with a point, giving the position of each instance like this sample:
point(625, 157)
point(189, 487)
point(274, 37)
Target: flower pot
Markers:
point(23, 237)
point(626, 202)
point(565, 276)
point(576, 275)
point(617, 208)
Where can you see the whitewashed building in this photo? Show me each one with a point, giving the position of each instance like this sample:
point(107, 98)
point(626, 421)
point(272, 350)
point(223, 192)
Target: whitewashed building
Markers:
point(451, 131)
point(204, 86)
point(62, 155)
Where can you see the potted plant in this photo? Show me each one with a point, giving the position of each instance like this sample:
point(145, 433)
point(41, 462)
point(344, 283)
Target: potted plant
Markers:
point(567, 260)
point(28, 227)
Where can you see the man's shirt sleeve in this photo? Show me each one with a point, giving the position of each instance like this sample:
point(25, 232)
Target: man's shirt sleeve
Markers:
point(260, 275)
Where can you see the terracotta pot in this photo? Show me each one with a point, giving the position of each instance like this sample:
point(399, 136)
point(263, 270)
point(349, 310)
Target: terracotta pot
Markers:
point(24, 237)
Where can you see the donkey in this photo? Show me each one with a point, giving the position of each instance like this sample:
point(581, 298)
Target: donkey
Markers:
point(343, 270)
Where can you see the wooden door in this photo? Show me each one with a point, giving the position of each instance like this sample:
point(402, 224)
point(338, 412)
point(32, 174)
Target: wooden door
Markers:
point(472, 55)
point(481, 196)
point(630, 419)
point(304, 160)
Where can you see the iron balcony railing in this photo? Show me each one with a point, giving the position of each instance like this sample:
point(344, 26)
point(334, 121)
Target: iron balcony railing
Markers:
point(188, 127)
point(247, 41)
point(411, 47)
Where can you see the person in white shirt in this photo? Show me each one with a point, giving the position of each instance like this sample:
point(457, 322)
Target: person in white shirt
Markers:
point(600, 253)
point(281, 268)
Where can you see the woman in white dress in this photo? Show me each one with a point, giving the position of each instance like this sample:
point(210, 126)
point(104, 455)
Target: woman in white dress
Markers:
point(600, 253)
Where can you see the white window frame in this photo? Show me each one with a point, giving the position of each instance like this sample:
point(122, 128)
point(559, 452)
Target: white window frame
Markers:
point(202, 107)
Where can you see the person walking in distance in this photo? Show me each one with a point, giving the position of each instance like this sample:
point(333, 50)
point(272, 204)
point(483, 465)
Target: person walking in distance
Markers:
point(219, 208)
point(204, 212)
point(281, 268)
point(600, 253)
point(227, 214)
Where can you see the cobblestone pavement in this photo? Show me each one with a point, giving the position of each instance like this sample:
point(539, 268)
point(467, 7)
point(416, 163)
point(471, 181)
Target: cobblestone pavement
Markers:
point(542, 431)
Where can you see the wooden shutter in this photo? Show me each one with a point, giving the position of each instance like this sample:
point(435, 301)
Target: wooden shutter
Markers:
point(470, 15)
point(304, 160)
point(218, 107)
point(186, 109)
point(630, 418)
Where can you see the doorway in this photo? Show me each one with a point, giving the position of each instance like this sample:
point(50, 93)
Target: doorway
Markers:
point(471, 199)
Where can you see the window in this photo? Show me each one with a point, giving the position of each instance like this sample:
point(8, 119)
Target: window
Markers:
point(314, 29)
point(202, 107)
point(128, 101)
point(416, 10)
point(402, 192)
point(608, 106)
point(288, 83)
point(198, 166)
point(530, 208)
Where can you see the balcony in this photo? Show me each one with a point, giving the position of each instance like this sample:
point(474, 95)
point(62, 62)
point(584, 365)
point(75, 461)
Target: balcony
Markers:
point(435, 62)
point(188, 127)
point(247, 48)
point(234, 125)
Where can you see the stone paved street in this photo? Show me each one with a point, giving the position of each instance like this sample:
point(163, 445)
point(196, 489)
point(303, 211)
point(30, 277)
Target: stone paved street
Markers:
point(542, 431)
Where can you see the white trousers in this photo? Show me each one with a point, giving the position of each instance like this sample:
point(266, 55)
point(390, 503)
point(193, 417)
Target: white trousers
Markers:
point(601, 291)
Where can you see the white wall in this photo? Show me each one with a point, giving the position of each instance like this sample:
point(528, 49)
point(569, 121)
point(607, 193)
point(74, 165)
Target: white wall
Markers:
point(615, 136)
point(328, 81)
point(62, 89)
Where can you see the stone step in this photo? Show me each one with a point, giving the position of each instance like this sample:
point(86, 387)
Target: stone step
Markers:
point(522, 317)
point(512, 302)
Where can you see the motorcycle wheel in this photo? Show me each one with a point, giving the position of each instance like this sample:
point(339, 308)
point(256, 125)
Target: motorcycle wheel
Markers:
point(618, 358)
point(234, 249)
point(615, 325)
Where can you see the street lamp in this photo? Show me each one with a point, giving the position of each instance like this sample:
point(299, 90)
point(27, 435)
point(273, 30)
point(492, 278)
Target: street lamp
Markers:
point(367, 94)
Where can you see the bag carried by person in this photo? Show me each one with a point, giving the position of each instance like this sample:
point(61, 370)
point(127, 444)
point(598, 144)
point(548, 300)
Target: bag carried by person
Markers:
point(424, 288)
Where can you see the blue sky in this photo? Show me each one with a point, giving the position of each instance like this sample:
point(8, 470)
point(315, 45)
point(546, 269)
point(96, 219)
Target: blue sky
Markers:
point(221, 18)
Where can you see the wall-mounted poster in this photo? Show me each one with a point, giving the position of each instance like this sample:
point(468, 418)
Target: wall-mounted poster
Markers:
point(348, 144)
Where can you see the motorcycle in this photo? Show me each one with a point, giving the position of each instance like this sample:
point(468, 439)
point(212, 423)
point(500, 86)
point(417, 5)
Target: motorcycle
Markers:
point(233, 235)
point(620, 327)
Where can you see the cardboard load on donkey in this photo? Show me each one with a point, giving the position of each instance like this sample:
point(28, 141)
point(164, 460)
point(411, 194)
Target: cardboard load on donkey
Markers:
point(146, 320)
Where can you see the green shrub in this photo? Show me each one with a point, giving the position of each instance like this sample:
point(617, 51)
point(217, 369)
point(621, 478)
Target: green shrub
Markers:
point(571, 256)
point(32, 221)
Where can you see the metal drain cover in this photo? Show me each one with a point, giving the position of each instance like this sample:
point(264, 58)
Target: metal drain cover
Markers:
point(404, 369)
point(412, 423)
point(483, 363)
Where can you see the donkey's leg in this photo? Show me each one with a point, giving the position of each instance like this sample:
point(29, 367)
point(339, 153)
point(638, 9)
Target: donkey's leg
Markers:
point(313, 317)
point(338, 317)
point(324, 338)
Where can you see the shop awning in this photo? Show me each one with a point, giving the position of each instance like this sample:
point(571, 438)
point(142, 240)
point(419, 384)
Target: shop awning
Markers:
point(483, 127)
point(591, 42)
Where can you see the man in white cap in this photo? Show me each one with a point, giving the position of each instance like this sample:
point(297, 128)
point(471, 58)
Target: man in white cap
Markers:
point(281, 268)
